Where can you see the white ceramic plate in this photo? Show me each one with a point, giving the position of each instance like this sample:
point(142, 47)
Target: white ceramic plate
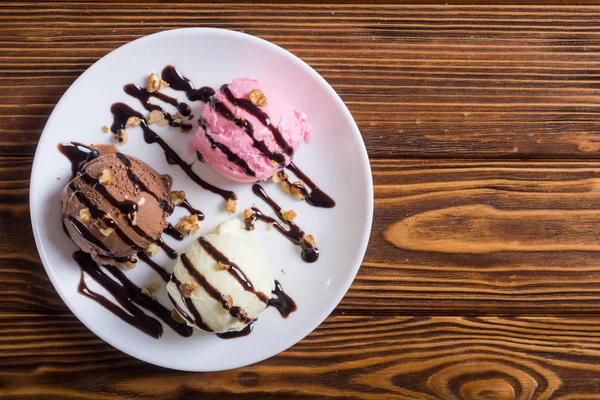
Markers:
point(335, 159)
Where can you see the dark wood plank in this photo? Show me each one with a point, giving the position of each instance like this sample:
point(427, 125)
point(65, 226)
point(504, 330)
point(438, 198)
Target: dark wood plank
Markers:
point(421, 80)
point(348, 357)
point(449, 237)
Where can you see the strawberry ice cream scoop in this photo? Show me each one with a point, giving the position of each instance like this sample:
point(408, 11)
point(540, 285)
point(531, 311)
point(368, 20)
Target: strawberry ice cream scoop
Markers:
point(249, 131)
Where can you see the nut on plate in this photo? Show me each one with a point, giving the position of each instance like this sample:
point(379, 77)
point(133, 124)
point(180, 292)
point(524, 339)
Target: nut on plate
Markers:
point(122, 137)
point(152, 249)
point(231, 205)
point(289, 215)
point(133, 121)
point(128, 264)
point(157, 117)
point(188, 224)
point(309, 240)
point(155, 83)
point(177, 196)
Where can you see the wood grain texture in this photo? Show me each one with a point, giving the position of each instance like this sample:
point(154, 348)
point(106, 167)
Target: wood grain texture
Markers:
point(482, 273)
point(421, 80)
point(348, 357)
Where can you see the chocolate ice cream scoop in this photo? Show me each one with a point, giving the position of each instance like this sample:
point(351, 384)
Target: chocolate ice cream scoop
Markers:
point(115, 206)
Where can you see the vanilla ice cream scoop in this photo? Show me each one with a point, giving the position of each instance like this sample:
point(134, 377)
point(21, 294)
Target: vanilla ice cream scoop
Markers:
point(221, 283)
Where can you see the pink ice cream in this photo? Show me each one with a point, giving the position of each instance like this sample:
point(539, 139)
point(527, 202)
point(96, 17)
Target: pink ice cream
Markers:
point(249, 141)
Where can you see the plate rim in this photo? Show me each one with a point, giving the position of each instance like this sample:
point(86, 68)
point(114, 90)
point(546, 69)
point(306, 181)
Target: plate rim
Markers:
point(364, 159)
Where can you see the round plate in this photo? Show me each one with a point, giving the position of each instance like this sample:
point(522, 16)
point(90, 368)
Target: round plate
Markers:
point(335, 159)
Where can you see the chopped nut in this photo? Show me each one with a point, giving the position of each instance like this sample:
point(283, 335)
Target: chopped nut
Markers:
point(283, 272)
point(230, 205)
point(309, 240)
point(133, 218)
point(122, 136)
point(103, 228)
point(257, 98)
point(133, 121)
point(155, 287)
point(279, 177)
point(187, 288)
point(249, 213)
point(176, 317)
point(152, 249)
point(85, 216)
point(188, 224)
point(105, 129)
point(228, 300)
point(146, 291)
point(163, 84)
point(153, 82)
point(105, 178)
point(222, 266)
point(177, 117)
point(178, 196)
point(289, 215)
point(128, 264)
point(294, 189)
point(156, 116)
point(273, 163)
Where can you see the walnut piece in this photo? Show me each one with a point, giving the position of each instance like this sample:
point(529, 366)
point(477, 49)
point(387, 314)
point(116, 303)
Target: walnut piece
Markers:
point(279, 177)
point(122, 137)
point(187, 288)
point(228, 300)
point(106, 177)
point(230, 205)
point(85, 216)
point(289, 215)
point(105, 129)
point(188, 224)
point(152, 249)
point(309, 240)
point(157, 117)
point(133, 218)
point(128, 264)
point(103, 228)
point(178, 196)
point(133, 121)
point(249, 213)
point(222, 266)
point(155, 287)
point(153, 82)
point(293, 189)
point(257, 98)
point(145, 290)
point(176, 317)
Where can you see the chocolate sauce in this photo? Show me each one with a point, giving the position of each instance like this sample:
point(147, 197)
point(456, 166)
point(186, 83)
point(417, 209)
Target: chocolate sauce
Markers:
point(170, 252)
point(201, 279)
point(231, 156)
point(261, 116)
point(294, 233)
point(174, 233)
point(160, 270)
point(232, 268)
point(176, 81)
point(186, 204)
point(226, 113)
point(197, 318)
point(143, 95)
point(85, 232)
point(164, 205)
point(244, 332)
point(122, 112)
point(316, 197)
point(282, 302)
point(78, 154)
point(127, 293)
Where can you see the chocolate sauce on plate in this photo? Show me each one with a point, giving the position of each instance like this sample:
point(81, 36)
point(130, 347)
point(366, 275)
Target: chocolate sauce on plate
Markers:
point(174, 233)
point(186, 204)
point(122, 112)
point(143, 95)
point(126, 293)
point(244, 332)
point(282, 302)
point(159, 269)
point(293, 232)
point(77, 154)
point(176, 81)
point(316, 197)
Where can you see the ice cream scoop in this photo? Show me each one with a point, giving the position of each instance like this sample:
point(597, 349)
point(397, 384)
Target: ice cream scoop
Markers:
point(248, 131)
point(116, 205)
point(221, 283)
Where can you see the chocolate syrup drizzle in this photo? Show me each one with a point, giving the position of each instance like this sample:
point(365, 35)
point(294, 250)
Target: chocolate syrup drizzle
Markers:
point(282, 302)
point(143, 95)
point(126, 293)
point(316, 197)
point(233, 334)
point(159, 269)
point(78, 154)
point(176, 81)
point(232, 268)
point(293, 232)
point(174, 233)
point(196, 317)
point(122, 112)
point(186, 204)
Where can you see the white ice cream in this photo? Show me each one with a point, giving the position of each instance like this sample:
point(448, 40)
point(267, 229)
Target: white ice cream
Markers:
point(232, 242)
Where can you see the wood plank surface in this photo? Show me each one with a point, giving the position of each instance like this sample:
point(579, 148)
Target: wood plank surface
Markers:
point(347, 357)
point(482, 273)
point(421, 80)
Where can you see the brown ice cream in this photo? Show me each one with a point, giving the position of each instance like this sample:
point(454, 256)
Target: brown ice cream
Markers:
point(115, 206)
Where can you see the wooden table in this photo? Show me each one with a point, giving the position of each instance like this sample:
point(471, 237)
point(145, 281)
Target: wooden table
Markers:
point(482, 277)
